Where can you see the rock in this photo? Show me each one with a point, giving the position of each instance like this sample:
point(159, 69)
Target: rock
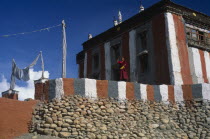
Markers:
point(165, 121)
point(103, 127)
point(58, 129)
point(64, 134)
point(69, 121)
point(46, 125)
point(110, 110)
point(49, 120)
point(154, 125)
point(64, 130)
point(34, 137)
point(65, 125)
point(47, 132)
point(140, 134)
point(130, 111)
point(60, 123)
point(91, 136)
point(53, 126)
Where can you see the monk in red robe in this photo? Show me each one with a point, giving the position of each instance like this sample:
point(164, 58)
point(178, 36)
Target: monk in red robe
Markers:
point(123, 69)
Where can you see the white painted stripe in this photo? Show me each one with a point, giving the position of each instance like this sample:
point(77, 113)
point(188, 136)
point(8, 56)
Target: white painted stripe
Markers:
point(132, 50)
point(173, 55)
point(143, 91)
point(107, 60)
point(207, 61)
point(85, 66)
point(178, 93)
point(164, 92)
point(122, 90)
point(59, 92)
point(195, 65)
point(90, 88)
point(206, 91)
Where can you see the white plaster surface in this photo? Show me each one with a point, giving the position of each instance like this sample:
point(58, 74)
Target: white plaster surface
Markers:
point(207, 61)
point(122, 90)
point(85, 66)
point(164, 92)
point(173, 55)
point(195, 65)
point(132, 52)
point(206, 91)
point(143, 91)
point(90, 88)
point(178, 93)
point(107, 60)
point(59, 92)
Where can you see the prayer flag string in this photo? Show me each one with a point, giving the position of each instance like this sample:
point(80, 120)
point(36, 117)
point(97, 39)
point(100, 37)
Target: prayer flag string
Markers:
point(23, 33)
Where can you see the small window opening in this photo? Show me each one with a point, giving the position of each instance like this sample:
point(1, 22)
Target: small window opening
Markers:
point(96, 61)
point(143, 59)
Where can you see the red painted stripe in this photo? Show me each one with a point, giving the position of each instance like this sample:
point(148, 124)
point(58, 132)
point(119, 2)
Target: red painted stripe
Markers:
point(130, 91)
point(102, 88)
point(125, 51)
point(68, 86)
point(150, 93)
point(46, 90)
point(182, 49)
point(102, 57)
point(89, 63)
point(187, 92)
point(162, 75)
point(203, 65)
point(171, 97)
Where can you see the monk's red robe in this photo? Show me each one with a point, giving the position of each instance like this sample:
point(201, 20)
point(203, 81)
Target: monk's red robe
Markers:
point(123, 70)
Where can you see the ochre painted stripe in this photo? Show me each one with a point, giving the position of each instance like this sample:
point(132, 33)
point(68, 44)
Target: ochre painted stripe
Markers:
point(182, 49)
point(68, 86)
point(187, 92)
point(203, 65)
point(171, 97)
point(130, 91)
point(102, 88)
point(125, 51)
point(160, 49)
point(150, 93)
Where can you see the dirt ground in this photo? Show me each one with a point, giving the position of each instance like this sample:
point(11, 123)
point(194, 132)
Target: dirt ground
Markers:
point(14, 117)
point(31, 136)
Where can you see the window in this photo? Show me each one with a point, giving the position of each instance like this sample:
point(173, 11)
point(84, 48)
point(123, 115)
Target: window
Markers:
point(143, 37)
point(143, 63)
point(96, 65)
point(115, 54)
point(95, 61)
point(142, 52)
point(197, 37)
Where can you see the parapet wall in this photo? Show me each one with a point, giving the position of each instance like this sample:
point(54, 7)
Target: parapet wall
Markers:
point(120, 90)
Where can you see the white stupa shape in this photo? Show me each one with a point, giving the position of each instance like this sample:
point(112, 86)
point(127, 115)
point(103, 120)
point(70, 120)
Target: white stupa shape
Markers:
point(141, 7)
point(120, 17)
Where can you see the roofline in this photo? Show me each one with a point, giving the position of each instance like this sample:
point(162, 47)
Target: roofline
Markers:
point(160, 7)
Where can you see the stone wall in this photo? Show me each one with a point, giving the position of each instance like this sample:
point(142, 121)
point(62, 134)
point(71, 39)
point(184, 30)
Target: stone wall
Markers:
point(79, 117)
point(121, 90)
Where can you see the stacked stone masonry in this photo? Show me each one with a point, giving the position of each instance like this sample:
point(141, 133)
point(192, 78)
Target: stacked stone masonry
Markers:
point(83, 118)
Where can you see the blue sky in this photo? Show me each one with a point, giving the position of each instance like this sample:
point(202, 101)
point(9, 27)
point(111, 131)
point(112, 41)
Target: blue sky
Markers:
point(81, 16)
